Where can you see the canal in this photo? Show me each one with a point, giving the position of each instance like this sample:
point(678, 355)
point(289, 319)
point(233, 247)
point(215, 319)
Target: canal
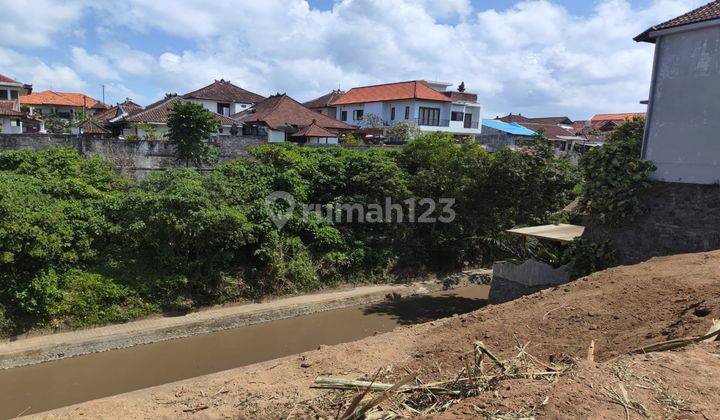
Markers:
point(36, 388)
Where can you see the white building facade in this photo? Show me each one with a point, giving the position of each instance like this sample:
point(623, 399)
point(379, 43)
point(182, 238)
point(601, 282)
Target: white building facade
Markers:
point(430, 105)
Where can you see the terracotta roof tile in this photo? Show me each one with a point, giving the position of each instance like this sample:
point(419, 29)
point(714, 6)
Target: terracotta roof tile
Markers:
point(705, 13)
point(92, 127)
point(160, 111)
point(550, 131)
point(617, 117)
point(325, 100)
point(314, 130)
point(5, 79)
point(224, 91)
point(514, 118)
point(49, 97)
point(281, 110)
point(416, 89)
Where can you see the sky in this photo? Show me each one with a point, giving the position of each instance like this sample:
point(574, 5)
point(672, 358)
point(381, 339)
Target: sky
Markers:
point(535, 57)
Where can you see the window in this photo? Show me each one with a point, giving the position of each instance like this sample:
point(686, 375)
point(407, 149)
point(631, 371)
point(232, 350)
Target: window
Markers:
point(343, 116)
point(468, 121)
point(223, 109)
point(429, 116)
point(456, 116)
point(4, 94)
point(392, 113)
point(407, 112)
point(14, 94)
point(358, 114)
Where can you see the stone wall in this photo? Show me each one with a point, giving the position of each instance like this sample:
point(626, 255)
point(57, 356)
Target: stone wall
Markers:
point(133, 158)
point(677, 219)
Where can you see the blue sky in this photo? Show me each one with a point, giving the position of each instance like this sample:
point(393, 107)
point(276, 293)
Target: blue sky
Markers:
point(537, 57)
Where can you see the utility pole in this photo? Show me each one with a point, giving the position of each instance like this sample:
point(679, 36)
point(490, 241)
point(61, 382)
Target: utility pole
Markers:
point(103, 93)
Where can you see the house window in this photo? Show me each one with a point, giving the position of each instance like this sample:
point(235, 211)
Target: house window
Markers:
point(429, 116)
point(358, 114)
point(343, 116)
point(223, 109)
point(14, 94)
point(468, 121)
point(407, 112)
point(456, 116)
point(4, 94)
point(392, 113)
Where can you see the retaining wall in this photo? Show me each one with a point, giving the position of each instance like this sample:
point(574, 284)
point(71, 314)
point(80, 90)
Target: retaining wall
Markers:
point(677, 219)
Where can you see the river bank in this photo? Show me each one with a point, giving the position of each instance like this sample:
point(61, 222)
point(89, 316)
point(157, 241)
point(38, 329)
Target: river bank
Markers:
point(37, 349)
point(619, 309)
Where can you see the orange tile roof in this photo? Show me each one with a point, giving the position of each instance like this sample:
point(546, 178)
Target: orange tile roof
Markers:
point(416, 89)
point(617, 117)
point(49, 97)
point(161, 110)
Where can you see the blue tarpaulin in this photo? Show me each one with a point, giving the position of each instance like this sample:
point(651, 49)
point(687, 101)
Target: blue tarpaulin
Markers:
point(511, 127)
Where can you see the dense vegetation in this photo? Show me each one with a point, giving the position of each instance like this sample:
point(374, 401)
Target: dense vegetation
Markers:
point(81, 246)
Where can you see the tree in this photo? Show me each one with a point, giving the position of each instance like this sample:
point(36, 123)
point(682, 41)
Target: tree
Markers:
point(372, 121)
point(403, 131)
point(190, 126)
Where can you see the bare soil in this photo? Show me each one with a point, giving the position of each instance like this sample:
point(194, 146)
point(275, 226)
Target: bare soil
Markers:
point(620, 309)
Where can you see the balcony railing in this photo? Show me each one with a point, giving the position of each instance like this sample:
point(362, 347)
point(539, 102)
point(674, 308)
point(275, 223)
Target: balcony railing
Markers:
point(432, 123)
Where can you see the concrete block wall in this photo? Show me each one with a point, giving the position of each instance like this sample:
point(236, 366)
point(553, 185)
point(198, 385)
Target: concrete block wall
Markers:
point(678, 218)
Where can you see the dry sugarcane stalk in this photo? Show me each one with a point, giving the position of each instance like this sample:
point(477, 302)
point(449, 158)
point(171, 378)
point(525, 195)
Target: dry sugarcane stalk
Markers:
point(676, 343)
point(379, 399)
point(481, 346)
point(591, 352)
point(325, 382)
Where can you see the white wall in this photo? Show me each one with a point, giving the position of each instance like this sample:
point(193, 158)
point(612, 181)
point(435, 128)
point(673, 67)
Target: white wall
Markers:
point(683, 130)
point(10, 126)
point(235, 107)
point(275, 136)
point(322, 140)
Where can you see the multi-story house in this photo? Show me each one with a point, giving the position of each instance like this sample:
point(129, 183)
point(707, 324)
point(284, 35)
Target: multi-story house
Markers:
point(12, 119)
point(323, 104)
point(430, 105)
point(65, 105)
point(224, 98)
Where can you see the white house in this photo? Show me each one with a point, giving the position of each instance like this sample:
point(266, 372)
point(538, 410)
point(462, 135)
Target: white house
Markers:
point(224, 98)
point(430, 105)
point(682, 131)
point(12, 119)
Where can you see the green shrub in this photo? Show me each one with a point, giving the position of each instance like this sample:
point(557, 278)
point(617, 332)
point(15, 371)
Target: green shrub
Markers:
point(586, 257)
point(615, 176)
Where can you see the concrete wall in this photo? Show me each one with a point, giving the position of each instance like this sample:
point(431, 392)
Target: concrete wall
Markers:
point(678, 218)
point(683, 133)
point(133, 158)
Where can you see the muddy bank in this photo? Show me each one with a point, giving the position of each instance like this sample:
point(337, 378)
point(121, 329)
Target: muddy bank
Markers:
point(620, 309)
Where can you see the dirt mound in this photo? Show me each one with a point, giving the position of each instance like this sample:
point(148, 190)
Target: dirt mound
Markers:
point(620, 309)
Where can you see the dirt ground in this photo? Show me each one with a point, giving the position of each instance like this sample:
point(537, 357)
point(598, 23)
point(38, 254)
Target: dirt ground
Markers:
point(620, 309)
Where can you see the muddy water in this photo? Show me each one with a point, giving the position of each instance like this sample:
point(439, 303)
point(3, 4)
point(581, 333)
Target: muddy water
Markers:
point(45, 386)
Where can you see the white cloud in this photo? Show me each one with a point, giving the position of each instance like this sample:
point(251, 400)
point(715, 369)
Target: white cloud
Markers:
point(37, 23)
point(535, 57)
point(32, 70)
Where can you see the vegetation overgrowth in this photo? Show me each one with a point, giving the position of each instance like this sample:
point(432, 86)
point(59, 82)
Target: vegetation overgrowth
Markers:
point(82, 246)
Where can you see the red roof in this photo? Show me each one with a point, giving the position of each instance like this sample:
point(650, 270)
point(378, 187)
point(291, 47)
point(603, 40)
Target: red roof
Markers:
point(49, 97)
point(550, 131)
point(314, 130)
point(416, 89)
point(5, 79)
point(617, 117)
point(92, 127)
point(7, 109)
point(224, 91)
point(280, 111)
point(710, 11)
point(160, 111)
point(514, 118)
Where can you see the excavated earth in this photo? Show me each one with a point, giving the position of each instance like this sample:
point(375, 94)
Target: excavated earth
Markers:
point(621, 309)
